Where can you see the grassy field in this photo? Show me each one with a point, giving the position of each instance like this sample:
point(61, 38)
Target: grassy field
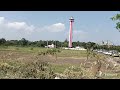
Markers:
point(22, 53)
point(63, 53)
point(23, 49)
point(72, 53)
point(26, 62)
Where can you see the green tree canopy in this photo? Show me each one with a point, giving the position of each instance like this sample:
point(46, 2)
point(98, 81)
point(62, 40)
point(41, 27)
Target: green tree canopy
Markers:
point(117, 18)
point(2, 41)
point(23, 42)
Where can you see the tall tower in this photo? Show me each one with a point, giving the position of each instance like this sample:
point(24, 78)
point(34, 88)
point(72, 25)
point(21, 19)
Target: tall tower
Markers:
point(70, 32)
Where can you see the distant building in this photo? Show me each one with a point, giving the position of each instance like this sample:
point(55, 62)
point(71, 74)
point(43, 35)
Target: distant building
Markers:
point(79, 48)
point(50, 46)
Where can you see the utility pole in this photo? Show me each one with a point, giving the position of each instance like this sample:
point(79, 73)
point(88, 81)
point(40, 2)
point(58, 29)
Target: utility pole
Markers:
point(55, 44)
point(47, 43)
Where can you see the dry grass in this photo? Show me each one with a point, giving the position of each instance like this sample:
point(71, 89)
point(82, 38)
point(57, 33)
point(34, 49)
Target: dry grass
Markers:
point(28, 63)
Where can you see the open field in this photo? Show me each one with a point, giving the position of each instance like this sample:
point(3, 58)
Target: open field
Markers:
point(65, 58)
point(15, 61)
point(64, 53)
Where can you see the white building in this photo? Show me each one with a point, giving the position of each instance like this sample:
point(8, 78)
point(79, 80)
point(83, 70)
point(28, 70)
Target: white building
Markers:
point(50, 46)
point(80, 48)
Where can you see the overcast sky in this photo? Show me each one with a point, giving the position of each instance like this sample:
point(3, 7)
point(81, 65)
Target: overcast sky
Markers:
point(54, 25)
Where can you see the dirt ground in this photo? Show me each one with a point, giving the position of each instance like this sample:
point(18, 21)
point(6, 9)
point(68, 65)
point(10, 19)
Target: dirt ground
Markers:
point(25, 56)
point(29, 57)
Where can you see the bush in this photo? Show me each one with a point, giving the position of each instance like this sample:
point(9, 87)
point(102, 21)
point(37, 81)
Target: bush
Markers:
point(31, 48)
point(17, 48)
point(4, 47)
point(73, 73)
point(38, 69)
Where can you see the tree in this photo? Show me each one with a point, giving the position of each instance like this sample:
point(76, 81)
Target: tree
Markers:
point(89, 47)
point(117, 18)
point(2, 41)
point(78, 43)
point(66, 40)
point(12, 42)
point(23, 42)
point(42, 44)
point(38, 43)
point(74, 44)
point(65, 43)
point(83, 44)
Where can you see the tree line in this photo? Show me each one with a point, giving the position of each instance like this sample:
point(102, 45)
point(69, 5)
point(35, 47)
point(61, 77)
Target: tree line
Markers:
point(42, 43)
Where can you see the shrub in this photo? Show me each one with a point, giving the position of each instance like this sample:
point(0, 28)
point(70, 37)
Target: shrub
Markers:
point(38, 69)
point(17, 48)
point(31, 48)
point(73, 73)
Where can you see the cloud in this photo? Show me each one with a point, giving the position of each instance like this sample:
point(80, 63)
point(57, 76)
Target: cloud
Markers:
point(17, 25)
point(13, 26)
point(2, 20)
point(17, 30)
point(21, 26)
point(58, 27)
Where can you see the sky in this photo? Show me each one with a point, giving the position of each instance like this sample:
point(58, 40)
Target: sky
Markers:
point(94, 26)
